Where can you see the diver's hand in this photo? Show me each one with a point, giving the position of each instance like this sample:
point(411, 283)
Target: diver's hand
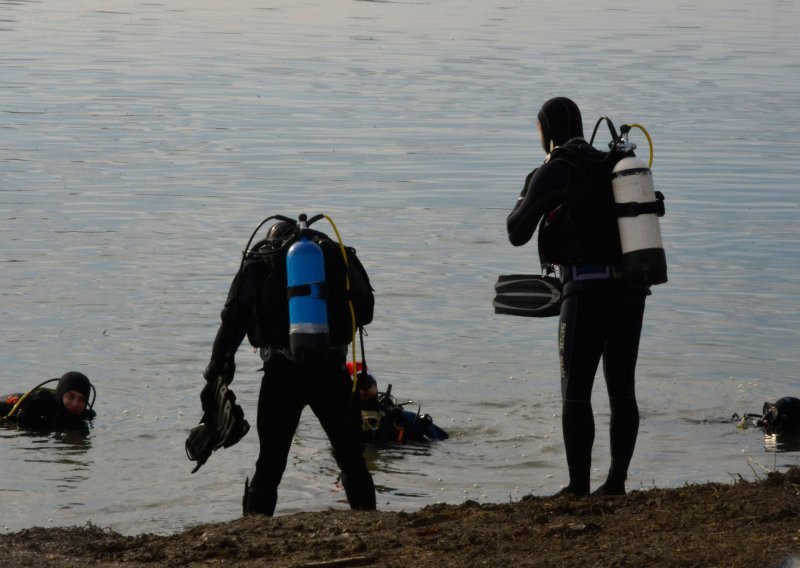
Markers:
point(215, 370)
point(208, 398)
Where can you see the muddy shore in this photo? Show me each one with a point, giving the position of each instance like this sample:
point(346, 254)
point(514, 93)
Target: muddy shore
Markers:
point(744, 523)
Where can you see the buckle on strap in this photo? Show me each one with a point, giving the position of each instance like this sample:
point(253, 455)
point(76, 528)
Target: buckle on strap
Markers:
point(586, 272)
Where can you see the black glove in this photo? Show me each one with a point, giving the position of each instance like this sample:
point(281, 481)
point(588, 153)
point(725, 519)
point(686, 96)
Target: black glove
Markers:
point(208, 398)
point(222, 425)
point(228, 370)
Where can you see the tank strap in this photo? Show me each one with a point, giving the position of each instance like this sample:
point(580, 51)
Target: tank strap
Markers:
point(634, 209)
point(631, 172)
point(582, 272)
point(307, 290)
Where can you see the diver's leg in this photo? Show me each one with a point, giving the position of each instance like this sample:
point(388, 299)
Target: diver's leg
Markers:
point(580, 347)
point(340, 417)
point(619, 367)
point(279, 410)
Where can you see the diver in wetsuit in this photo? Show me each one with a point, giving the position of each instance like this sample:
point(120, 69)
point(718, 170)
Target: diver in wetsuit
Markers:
point(385, 421)
point(569, 199)
point(65, 408)
point(257, 307)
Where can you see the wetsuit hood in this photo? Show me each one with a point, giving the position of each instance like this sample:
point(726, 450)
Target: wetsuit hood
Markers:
point(73, 381)
point(560, 120)
point(281, 231)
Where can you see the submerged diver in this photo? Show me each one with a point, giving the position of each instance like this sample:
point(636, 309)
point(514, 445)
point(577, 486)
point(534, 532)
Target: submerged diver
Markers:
point(385, 421)
point(257, 306)
point(64, 408)
point(781, 417)
point(569, 199)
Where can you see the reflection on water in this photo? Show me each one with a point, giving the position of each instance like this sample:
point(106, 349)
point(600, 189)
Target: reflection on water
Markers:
point(399, 462)
point(70, 449)
point(782, 443)
point(54, 469)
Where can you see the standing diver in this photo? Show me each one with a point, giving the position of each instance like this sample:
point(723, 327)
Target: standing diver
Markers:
point(296, 374)
point(569, 197)
point(66, 408)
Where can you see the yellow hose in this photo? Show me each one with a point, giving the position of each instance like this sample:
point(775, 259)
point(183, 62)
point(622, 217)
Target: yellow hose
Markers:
point(649, 141)
point(24, 396)
point(349, 302)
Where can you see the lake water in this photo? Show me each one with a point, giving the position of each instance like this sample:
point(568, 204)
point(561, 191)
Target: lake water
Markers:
point(141, 143)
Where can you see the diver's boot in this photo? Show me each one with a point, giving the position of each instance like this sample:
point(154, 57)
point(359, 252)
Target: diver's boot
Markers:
point(258, 501)
point(359, 489)
point(605, 490)
point(615, 482)
point(578, 483)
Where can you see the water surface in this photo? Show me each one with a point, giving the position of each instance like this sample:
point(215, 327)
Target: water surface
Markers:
point(141, 143)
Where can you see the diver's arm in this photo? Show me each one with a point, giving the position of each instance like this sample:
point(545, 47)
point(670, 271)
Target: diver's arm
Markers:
point(539, 196)
point(235, 317)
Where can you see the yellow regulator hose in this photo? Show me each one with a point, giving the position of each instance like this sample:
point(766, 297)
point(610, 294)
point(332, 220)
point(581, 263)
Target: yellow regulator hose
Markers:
point(649, 141)
point(349, 302)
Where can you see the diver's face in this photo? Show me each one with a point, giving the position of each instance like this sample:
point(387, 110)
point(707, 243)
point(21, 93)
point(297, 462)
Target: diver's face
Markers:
point(74, 402)
point(542, 141)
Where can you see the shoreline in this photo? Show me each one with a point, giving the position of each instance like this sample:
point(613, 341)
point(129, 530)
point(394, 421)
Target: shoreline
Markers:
point(737, 524)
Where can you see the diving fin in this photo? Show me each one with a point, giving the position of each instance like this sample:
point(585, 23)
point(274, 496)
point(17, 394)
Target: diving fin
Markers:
point(527, 295)
point(221, 427)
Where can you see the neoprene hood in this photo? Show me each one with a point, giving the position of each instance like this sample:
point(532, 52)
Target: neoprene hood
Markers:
point(73, 381)
point(560, 120)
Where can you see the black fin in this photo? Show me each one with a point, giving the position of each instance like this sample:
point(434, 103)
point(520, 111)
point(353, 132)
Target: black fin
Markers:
point(220, 428)
point(527, 295)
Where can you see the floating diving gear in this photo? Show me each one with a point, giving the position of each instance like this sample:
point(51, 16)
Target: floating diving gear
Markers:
point(309, 338)
point(527, 295)
point(222, 425)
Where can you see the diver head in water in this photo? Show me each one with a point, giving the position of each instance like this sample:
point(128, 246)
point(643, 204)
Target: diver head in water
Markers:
point(73, 392)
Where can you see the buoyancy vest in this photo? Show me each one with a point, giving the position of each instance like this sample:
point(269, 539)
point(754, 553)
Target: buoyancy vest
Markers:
point(582, 228)
point(7, 403)
point(400, 426)
point(346, 283)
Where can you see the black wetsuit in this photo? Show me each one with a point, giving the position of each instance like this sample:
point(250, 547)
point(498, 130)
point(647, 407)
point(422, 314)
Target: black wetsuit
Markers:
point(395, 424)
point(287, 387)
point(601, 314)
point(42, 411)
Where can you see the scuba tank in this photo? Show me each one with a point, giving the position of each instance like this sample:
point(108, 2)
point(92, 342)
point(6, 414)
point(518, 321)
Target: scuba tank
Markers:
point(309, 337)
point(638, 207)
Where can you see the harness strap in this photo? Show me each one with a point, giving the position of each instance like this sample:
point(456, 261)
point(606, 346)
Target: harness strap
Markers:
point(581, 272)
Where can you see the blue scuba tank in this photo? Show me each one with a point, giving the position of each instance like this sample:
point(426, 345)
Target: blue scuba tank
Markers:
point(309, 338)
